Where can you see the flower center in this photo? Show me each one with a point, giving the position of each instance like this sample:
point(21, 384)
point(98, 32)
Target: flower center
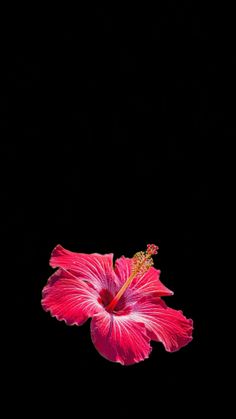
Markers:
point(105, 297)
point(141, 262)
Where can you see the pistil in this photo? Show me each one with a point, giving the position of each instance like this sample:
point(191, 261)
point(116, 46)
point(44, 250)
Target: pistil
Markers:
point(141, 262)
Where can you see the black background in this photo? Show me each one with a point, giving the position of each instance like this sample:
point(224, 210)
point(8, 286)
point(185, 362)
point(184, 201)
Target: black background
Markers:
point(111, 119)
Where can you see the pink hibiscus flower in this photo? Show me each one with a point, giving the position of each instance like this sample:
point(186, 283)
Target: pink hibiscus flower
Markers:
point(124, 303)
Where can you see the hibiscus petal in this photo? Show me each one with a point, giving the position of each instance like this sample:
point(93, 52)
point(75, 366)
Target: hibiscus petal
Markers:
point(163, 323)
point(148, 283)
point(94, 268)
point(119, 338)
point(69, 299)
